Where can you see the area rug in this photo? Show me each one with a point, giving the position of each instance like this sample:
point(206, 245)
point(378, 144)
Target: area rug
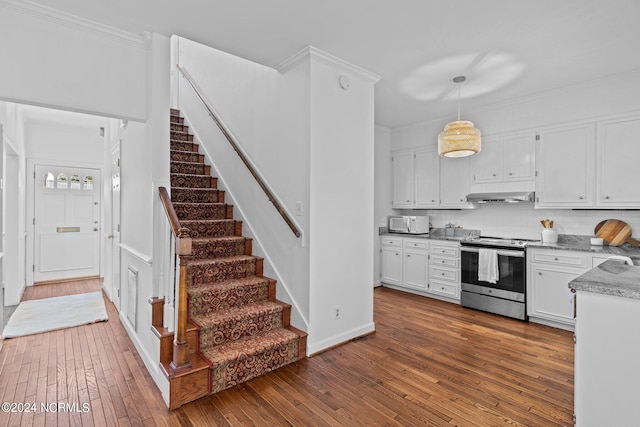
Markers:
point(49, 314)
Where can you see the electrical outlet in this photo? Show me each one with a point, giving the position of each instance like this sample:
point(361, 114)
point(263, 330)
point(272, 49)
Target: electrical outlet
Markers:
point(299, 208)
point(336, 312)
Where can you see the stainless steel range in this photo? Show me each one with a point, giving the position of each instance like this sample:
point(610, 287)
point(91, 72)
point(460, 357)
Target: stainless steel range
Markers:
point(507, 296)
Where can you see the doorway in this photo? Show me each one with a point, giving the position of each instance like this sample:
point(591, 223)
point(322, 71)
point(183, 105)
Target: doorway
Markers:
point(67, 223)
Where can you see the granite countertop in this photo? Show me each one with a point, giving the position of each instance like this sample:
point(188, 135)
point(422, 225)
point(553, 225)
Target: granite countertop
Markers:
point(570, 242)
point(612, 277)
point(434, 234)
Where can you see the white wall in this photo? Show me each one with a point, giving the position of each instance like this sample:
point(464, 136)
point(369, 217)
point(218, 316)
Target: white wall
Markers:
point(64, 142)
point(14, 228)
point(383, 191)
point(342, 206)
point(53, 59)
point(144, 152)
point(599, 99)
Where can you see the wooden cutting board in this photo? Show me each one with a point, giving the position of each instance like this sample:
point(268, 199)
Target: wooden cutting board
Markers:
point(615, 232)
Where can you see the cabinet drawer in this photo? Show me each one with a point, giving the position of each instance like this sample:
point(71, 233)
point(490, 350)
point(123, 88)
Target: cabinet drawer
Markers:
point(441, 273)
point(560, 258)
point(444, 251)
point(391, 241)
point(416, 244)
point(444, 262)
point(445, 289)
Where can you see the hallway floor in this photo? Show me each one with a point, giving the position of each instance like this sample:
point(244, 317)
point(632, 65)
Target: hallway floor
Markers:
point(429, 363)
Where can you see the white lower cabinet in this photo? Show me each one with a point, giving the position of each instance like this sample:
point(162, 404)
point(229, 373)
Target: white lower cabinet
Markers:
point(415, 265)
point(391, 260)
point(422, 266)
point(549, 299)
point(606, 357)
point(444, 269)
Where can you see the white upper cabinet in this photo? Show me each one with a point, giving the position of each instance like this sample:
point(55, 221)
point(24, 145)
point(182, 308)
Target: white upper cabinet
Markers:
point(519, 157)
point(617, 169)
point(426, 178)
point(415, 179)
point(487, 164)
point(403, 179)
point(565, 167)
point(454, 182)
point(510, 157)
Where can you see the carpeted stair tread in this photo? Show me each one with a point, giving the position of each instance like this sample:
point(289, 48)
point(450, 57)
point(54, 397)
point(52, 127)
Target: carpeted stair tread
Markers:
point(214, 270)
point(193, 168)
point(219, 247)
point(196, 195)
point(211, 227)
point(209, 297)
point(219, 327)
point(201, 211)
point(186, 156)
point(192, 181)
point(239, 361)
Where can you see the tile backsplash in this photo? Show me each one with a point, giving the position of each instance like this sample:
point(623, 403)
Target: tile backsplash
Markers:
point(523, 221)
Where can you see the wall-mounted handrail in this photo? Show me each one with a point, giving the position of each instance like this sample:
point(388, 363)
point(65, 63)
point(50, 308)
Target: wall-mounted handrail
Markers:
point(180, 362)
point(238, 151)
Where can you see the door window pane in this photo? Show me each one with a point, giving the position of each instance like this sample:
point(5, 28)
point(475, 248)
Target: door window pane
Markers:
point(75, 182)
point(88, 182)
point(62, 181)
point(49, 181)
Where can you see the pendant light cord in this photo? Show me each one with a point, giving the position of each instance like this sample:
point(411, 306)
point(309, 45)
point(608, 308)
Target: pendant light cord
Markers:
point(459, 101)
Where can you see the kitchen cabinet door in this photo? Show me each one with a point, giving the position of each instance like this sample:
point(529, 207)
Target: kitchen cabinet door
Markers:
point(426, 167)
point(487, 164)
point(391, 266)
point(549, 296)
point(617, 170)
point(519, 157)
point(454, 182)
point(415, 269)
point(403, 180)
point(565, 167)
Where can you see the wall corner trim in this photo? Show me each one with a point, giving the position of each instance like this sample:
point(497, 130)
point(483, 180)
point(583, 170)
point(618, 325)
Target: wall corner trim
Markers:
point(142, 257)
point(26, 7)
point(312, 52)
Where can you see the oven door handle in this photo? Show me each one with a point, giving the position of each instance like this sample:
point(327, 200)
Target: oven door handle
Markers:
point(519, 254)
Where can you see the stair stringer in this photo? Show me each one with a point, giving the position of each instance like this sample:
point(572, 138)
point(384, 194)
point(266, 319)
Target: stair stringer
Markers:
point(298, 319)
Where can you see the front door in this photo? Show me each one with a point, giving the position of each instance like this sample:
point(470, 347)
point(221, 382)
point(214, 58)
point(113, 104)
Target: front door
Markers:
point(66, 223)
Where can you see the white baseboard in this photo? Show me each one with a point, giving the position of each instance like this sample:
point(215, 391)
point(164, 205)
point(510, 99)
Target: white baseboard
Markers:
point(340, 339)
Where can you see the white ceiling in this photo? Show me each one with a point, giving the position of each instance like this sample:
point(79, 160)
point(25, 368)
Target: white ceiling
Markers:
point(508, 49)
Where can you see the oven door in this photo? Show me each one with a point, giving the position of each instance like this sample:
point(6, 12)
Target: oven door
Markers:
point(511, 272)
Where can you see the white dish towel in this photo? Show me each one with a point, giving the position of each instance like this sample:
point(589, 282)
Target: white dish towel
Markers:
point(488, 265)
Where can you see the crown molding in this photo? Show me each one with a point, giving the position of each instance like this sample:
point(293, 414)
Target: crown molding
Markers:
point(312, 52)
point(25, 7)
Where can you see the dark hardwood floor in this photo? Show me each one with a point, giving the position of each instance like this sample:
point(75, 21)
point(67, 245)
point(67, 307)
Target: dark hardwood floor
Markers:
point(429, 363)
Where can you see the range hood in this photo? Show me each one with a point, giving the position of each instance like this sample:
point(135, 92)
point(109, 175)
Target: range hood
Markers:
point(506, 197)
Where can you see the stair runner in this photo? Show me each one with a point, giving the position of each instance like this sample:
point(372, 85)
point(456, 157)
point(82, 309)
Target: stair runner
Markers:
point(243, 330)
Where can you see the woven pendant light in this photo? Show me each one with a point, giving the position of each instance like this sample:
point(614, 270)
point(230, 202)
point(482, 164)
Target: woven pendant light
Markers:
point(459, 138)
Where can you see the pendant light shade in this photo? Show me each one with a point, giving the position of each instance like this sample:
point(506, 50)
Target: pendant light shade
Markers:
point(459, 138)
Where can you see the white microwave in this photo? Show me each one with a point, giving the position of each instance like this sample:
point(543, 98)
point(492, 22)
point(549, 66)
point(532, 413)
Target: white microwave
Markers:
point(409, 224)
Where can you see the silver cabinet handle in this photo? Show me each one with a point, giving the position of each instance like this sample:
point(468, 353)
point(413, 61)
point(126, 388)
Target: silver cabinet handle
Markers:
point(607, 197)
point(580, 197)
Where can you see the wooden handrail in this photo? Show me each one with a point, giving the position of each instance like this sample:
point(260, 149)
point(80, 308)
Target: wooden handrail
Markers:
point(244, 159)
point(180, 362)
point(171, 212)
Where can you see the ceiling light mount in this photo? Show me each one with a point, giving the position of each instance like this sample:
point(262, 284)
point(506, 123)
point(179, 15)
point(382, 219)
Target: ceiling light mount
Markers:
point(459, 138)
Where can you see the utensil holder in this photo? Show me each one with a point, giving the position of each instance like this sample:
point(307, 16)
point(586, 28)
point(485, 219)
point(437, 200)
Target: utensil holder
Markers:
point(549, 235)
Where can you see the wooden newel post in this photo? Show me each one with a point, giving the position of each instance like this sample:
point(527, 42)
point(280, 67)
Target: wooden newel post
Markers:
point(180, 362)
